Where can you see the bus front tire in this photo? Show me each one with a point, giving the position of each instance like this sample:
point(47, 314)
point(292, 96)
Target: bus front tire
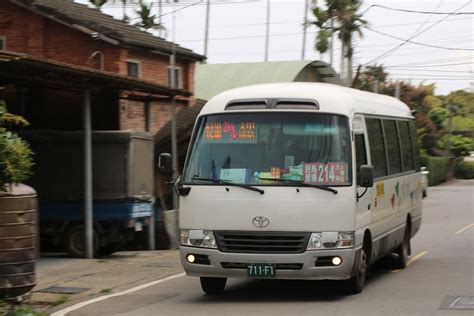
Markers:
point(355, 284)
point(402, 252)
point(213, 286)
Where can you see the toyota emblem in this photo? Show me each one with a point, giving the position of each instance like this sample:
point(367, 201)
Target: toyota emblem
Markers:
point(260, 221)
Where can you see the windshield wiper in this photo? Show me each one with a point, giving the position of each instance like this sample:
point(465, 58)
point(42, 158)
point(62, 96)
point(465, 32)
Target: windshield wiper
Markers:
point(303, 184)
point(245, 186)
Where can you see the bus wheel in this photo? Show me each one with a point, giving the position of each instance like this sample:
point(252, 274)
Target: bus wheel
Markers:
point(402, 251)
point(213, 286)
point(356, 283)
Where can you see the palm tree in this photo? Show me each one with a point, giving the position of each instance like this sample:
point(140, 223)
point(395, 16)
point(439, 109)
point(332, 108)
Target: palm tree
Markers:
point(347, 22)
point(98, 3)
point(147, 20)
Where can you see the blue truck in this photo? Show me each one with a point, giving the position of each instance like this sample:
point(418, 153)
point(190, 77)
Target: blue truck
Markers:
point(123, 187)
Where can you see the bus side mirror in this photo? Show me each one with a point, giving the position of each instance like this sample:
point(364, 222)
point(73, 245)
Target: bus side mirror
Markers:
point(165, 165)
point(366, 176)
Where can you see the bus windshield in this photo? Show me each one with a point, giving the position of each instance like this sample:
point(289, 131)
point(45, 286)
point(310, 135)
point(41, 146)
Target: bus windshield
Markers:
point(271, 149)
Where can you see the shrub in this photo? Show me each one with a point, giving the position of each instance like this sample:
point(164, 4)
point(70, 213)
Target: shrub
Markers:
point(460, 145)
point(464, 170)
point(15, 153)
point(438, 168)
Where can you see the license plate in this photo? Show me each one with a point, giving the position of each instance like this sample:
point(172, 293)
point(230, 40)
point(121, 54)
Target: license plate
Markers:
point(261, 270)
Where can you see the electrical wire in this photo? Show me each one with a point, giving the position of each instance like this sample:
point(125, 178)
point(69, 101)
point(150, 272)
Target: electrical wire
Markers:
point(390, 51)
point(411, 42)
point(415, 11)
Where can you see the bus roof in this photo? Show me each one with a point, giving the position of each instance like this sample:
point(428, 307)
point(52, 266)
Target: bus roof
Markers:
point(331, 99)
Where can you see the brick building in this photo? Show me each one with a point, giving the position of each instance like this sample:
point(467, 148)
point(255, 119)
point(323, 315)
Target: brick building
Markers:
point(72, 33)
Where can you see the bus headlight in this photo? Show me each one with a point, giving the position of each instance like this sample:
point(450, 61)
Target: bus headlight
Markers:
point(197, 238)
point(331, 240)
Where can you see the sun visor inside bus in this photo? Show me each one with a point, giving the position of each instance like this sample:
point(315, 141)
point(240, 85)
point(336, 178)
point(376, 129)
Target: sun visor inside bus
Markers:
point(262, 104)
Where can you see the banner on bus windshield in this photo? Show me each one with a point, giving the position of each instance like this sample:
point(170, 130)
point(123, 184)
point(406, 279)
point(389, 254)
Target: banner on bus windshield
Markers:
point(330, 173)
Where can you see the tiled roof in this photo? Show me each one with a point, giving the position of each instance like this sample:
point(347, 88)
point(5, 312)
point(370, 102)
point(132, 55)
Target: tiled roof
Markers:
point(95, 23)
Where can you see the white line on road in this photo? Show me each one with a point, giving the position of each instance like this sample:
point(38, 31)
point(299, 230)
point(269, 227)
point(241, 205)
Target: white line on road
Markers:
point(464, 228)
point(102, 298)
point(418, 256)
point(412, 259)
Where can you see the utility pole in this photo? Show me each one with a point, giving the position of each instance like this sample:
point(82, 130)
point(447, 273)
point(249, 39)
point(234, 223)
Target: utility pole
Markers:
point(331, 45)
point(397, 90)
point(174, 146)
point(160, 16)
point(206, 35)
point(267, 35)
point(376, 86)
point(305, 26)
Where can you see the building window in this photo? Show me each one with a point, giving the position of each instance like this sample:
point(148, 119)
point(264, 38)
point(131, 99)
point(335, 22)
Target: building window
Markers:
point(177, 78)
point(134, 68)
point(3, 43)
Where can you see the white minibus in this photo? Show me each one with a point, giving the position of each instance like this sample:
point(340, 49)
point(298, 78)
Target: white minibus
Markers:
point(298, 181)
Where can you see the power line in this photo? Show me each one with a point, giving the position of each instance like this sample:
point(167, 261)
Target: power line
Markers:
point(428, 18)
point(442, 65)
point(299, 22)
point(415, 11)
point(409, 41)
point(417, 34)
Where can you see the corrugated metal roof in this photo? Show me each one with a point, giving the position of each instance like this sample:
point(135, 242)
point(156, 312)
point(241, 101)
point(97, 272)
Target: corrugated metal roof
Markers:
point(212, 79)
point(95, 23)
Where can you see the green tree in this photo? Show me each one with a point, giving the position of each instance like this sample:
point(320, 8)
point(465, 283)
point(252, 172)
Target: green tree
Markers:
point(98, 3)
point(147, 20)
point(369, 76)
point(15, 153)
point(340, 17)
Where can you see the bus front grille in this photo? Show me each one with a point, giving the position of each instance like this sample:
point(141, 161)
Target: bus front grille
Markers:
point(261, 242)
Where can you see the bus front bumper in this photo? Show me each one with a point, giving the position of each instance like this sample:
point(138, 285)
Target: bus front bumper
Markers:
point(311, 265)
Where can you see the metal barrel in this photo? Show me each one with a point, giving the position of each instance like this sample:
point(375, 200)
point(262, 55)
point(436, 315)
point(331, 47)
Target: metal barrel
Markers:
point(18, 240)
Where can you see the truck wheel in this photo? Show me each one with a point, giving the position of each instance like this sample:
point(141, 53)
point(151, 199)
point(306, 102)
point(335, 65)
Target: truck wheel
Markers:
point(402, 251)
point(355, 284)
point(76, 243)
point(213, 286)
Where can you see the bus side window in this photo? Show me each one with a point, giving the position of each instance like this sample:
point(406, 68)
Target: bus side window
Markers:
point(361, 153)
point(414, 141)
point(377, 147)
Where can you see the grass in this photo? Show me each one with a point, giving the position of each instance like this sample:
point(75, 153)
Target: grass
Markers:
point(63, 298)
point(21, 310)
point(107, 290)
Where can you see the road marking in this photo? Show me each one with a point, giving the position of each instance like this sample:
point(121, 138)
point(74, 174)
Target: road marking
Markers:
point(412, 259)
point(464, 228)
point(418, 256)
point(104, 297)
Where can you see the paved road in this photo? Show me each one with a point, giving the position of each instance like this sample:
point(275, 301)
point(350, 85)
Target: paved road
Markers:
point(441, 270)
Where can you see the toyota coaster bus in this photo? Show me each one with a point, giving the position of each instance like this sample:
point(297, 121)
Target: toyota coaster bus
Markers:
point(298, 181)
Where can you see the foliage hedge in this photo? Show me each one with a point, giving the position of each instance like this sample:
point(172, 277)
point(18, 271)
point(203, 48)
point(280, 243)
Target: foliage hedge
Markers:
point(464, 170)
point(438, 168)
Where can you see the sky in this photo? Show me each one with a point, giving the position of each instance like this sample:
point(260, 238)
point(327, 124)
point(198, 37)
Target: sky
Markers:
point(237, 34)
